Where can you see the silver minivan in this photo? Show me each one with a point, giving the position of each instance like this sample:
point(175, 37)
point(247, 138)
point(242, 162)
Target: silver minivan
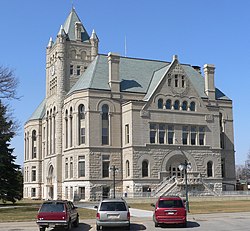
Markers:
point(112, 213)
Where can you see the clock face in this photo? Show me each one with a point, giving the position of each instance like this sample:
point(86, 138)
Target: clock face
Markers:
point(52, 70)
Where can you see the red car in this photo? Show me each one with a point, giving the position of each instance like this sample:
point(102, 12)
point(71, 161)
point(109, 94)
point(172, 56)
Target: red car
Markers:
point(57, 213)
point(170, 210)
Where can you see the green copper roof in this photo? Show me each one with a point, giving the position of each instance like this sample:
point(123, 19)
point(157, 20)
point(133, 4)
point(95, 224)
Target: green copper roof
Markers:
point(69, 26)
point(39, 112)
point(136, 75)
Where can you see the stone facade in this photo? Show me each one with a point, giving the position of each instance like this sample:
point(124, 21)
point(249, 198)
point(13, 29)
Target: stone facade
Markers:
point(143, 117)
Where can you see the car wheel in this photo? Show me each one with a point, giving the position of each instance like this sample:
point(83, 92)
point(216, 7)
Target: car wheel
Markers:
point(42, 228)
point(76, 222)
point(98, 227)
point(184, 225)
point(68, 225)
point(127, 227)
point(156, 224)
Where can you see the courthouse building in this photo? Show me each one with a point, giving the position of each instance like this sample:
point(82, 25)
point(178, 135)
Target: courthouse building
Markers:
point(139, 119)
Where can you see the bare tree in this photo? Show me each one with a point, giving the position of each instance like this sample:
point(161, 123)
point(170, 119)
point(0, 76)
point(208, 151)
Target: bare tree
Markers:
point(8, 83)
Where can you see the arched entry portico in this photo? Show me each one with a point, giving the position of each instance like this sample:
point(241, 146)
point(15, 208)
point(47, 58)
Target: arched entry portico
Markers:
point(173, 159)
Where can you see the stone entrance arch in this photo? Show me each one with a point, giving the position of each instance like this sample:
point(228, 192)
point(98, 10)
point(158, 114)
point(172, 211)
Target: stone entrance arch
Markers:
point(173, 159)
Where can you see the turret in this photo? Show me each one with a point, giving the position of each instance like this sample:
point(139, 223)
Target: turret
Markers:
point(94, 45)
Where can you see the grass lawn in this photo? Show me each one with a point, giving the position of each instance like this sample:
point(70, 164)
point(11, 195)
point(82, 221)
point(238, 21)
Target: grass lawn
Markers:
point(27, 211)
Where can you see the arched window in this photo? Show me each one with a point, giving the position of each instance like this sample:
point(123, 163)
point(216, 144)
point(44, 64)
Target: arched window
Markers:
point(33, 144)
point(105, 124)
point(81, 125)
point(209, 169)
point(145, 168)
point(54, 130)
point(168, 104)
point(184, 106)
point(71, 126)
point(66, 129)
point(192, 106)
point(176, 105)
point(160, 103)
point(127, 169)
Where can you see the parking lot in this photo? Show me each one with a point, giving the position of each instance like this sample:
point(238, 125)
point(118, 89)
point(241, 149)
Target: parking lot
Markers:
point(205, 222)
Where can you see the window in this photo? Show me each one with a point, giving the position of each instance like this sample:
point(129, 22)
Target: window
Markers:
point(160, 103)
point(105, 124)
point(66, 129)
point(66, 193)
point(78, 70)
point(193, 135)
point(184, 135)
point(162, 133)
point(33, 174)
point(169, 82)
point(127, 169)
point(176, 80)
point(71, 126)
point(81, 126)
point(83, 55)
point(33, 144)
point(66, 169)
point(201, 135)
point(33, 192)
point(168, 104)
point(176, 105)
point(71, 168)
point(184, 106)
point(81, 166)
point(71, 70)
point(126, 133)
point(170, 134)
point(145, 168)
point(192, 106)
point(209, 169)
point(82, 193)
point(183, 82)
point(152, 133)
point(105, 165)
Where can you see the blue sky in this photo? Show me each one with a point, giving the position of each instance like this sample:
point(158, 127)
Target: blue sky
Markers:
point(199, 32)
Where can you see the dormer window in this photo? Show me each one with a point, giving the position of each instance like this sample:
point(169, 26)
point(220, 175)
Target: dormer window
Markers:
point(160, 103)
point(78, 70)
point(71, 70)
point(176, 80)
point(183, 82)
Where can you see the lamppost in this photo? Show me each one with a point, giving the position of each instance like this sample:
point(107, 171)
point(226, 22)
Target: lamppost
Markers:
point(184, 167)
point(114, 169)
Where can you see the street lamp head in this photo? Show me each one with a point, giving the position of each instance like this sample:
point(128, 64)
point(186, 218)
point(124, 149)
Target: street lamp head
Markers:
point(181, 167)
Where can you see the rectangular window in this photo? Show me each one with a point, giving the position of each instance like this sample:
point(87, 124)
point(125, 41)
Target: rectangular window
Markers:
point(152, 133)
point(81, 166)
point(162, 133)
point(66, 193)
point(126, 133)
point(105, 166)
point(185, 135)
point(33, 192)
point(78, 70)
point(82, 135)
point(201, 136)
point(66, 170)
point(82, 193)
point(71, 168)
point(33, 176)
point(170, 134)
point(71, 71)
point(193, 135)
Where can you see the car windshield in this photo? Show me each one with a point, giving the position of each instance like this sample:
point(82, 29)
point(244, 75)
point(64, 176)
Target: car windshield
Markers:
point(113, 206)
point(52, 207)
point(170, 204)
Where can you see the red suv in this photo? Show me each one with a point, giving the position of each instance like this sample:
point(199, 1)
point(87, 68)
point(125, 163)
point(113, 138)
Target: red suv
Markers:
point(57, 213)
point(170, 210)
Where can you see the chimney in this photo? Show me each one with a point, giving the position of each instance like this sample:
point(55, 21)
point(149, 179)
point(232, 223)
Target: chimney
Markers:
point(114, 75)
point(209, 80)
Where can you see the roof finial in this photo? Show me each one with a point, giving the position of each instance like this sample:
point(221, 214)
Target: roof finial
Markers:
point(72, 4)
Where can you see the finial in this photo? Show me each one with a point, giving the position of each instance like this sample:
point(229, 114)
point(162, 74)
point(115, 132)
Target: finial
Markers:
point(50, 44)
